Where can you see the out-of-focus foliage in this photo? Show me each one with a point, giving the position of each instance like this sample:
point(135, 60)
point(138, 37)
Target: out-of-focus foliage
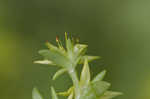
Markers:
point(116, 30)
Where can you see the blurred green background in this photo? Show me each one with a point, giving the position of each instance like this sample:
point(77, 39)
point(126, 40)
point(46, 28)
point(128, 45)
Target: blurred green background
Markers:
point(116, 30)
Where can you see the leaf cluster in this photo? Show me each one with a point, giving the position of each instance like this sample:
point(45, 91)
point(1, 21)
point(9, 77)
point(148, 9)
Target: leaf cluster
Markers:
point(68, 58)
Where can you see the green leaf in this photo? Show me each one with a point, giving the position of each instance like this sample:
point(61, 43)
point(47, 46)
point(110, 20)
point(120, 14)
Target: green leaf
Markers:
point(85, 75)
point(54, 48)
point(70, 96)
point(36, 94)
point(56, 57)
point(46, 62)
point(54, 95)
point(75, 54)
point(110, 95)
point(79, 49)
point(88, 93)
point(69, 45)
point(99, 77)
point(100, 87)
point(94, 90)
point(58, 73)
point(89, 58)
point(68, 92)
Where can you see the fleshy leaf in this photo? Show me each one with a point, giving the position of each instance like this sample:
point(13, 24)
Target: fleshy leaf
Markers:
point(54, 95)
point(79, 49)
point(56, 57)
point(58, 73)
point(54, 48)
point(99, 76)
point(36, 94)
point(46, 62)
point(110, 95)
point(70, 96)
point(94, 90)
point(69, 45)
point(100, 87)
point(85, 75)
point(88, 93)
point(68, 60)
point(67, 93)
point(89, 58)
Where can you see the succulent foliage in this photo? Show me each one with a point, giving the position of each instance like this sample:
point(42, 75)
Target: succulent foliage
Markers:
point(68, 58)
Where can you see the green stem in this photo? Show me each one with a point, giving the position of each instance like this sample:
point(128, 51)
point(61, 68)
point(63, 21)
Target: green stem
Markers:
point(73, 75)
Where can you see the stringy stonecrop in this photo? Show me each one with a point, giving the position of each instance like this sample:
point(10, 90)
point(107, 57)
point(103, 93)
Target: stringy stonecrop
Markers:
point(68, 58)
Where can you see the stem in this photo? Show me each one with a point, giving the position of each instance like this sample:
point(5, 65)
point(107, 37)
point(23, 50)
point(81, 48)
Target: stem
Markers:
point(73, 75)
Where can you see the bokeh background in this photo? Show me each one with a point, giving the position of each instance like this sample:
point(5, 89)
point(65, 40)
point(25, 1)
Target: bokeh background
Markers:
point(116, 30)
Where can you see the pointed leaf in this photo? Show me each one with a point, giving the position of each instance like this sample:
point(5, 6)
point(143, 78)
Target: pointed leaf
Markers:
point(89, 58)
point(85, 75)
point(110, 95)
point(100, 76)
point(88, 93)
point(54, 48)
point(100, 87)
point(36, 94)
point(56, 57)
point(54, 95)
point(70, 96)
point(69, 45)
point(79, 49)
point(58, 73)
point(77, 61)
point(47, 62)
point(51, 46)
point(68, 92)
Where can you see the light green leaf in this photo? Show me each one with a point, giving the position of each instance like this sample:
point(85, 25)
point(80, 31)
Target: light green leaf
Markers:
point(56, 57)
point(54, 48)
point(54, 95)
point(68, 92)
point(85, 75)
point(36, 94)
point(99, 77)
point(70, 96)
point(89, 58)
point(58, 73)
point(100, 87)
point(79, 49)
point(88, 93)
point(51, 46)
point(46, 62)
point(110, 95)
point(69, 45)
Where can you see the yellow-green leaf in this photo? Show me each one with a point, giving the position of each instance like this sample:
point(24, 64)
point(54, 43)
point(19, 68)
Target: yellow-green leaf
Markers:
point(54, 48)
point(54, 95)
point(79, 49)
point(110, 95)
point(58, 73)
point(46, 62)
point(68, 92)
point(85, 75)
point(36, 94)
point(71, 96)
point(56, 57)
point(100, 87)
point(99, 76)
point(89, 58)
point(88, 93)
point(69, 45)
